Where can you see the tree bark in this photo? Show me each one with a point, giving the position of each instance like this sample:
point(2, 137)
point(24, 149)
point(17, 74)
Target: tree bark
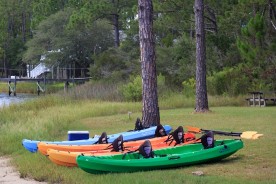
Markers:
point(116, 29)
point(24, 27)
point(116, 26)
point(150, 112)
point(201, 87)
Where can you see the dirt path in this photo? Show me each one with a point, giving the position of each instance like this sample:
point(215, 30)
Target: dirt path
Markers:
point(8, 174)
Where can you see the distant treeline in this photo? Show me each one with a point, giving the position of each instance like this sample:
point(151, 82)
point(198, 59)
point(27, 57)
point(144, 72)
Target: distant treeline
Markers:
point(102, 37)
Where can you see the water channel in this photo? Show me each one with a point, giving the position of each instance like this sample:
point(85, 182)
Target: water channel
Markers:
point(6, 100)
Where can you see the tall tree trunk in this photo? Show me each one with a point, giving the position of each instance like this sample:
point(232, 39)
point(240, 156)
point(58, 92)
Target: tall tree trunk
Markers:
point(116, 26)
point(149, 78)
point(116, 29)
point(24, 27)
point(201, 87)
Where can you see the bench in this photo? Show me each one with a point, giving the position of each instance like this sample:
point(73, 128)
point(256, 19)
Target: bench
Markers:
point(273, 100)
point(256, 101)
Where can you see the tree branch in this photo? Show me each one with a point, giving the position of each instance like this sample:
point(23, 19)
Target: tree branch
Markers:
point(273, 24)
point(212, 17)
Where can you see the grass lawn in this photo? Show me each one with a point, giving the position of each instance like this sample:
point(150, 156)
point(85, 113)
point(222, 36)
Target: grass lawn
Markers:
point(50, 119)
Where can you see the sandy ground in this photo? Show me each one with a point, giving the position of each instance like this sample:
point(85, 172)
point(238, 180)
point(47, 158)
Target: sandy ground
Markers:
point(8, 174)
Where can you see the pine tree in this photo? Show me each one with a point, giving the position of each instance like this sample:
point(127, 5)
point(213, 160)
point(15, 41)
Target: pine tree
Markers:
point(149, 78)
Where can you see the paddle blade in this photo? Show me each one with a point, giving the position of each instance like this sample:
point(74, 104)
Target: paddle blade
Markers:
point(256, 136)
point(193, 129)
point(248, 134)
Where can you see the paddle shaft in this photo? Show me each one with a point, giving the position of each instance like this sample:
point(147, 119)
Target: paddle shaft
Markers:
point(222, 132)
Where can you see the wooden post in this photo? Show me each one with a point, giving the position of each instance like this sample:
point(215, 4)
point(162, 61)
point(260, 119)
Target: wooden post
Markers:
point(14, 89)
point(259, 99)
point(38, 88)
point(44, 83)
point(253, 99)
point(10, 89)
point(66, 86)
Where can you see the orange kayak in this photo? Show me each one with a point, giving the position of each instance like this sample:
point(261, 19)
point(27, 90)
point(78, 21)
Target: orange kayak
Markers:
point(67, 158)
point(43, 147)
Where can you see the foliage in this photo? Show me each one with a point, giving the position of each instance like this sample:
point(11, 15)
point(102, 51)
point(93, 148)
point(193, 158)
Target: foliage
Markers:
point(14, 32)
point(42, 9)
point(177, 63)
point(63, 46)
point(133, 90)
point(116, 12)
point(114, 64)
point(169, 14)
point(257, 49)
point(252, 47)
point(189, 87)
point(229, 81)
point(78, 32)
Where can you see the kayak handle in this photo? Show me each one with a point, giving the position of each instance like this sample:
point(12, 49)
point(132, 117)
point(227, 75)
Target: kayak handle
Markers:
point(175, 157)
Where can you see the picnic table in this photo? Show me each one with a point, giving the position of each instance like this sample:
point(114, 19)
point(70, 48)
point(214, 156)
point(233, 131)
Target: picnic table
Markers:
point(257, 99)
point(273, 99)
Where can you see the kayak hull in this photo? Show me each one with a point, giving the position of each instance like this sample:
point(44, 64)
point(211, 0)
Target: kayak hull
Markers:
point(168, 158)
point(68, 157)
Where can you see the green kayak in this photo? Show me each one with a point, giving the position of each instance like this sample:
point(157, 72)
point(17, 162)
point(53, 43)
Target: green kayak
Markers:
point(164, 158)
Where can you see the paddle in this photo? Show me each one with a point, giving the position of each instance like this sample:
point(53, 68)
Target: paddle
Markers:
point(245, 135)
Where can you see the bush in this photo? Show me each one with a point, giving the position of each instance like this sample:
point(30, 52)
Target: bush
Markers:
point(133, 90)
point(189, 87)
point(229, 81)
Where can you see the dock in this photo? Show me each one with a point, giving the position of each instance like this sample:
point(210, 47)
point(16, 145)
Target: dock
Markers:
point(11, 82)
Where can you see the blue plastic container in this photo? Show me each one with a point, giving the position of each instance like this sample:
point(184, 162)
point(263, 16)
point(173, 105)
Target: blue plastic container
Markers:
point(78, 135)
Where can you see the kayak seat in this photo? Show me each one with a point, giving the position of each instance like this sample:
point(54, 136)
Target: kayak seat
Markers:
point(138, 125)
point(103, 139)
point(177, 136)
point(207, 140)
point(160, 131)
point(118, 144)
point(145, 150)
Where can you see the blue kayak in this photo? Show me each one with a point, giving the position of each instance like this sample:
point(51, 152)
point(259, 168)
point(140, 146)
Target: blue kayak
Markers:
point(31, 145)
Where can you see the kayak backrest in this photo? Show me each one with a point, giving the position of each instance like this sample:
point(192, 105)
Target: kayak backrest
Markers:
point(103, 139)
point(207, 140)
point(118, 144)
point(178, 135)
point(138, 124)
point(145, 149)
point(160, 131)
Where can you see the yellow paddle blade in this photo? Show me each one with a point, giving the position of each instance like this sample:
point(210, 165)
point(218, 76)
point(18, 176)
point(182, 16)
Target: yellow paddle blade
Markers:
point(193, 129)
point(256, 136)
point(248, 134)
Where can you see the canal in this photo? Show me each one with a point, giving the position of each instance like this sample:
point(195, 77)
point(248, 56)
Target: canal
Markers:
point(6, 100)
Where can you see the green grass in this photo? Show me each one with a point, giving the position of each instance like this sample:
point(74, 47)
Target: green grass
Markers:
point(50, 117)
